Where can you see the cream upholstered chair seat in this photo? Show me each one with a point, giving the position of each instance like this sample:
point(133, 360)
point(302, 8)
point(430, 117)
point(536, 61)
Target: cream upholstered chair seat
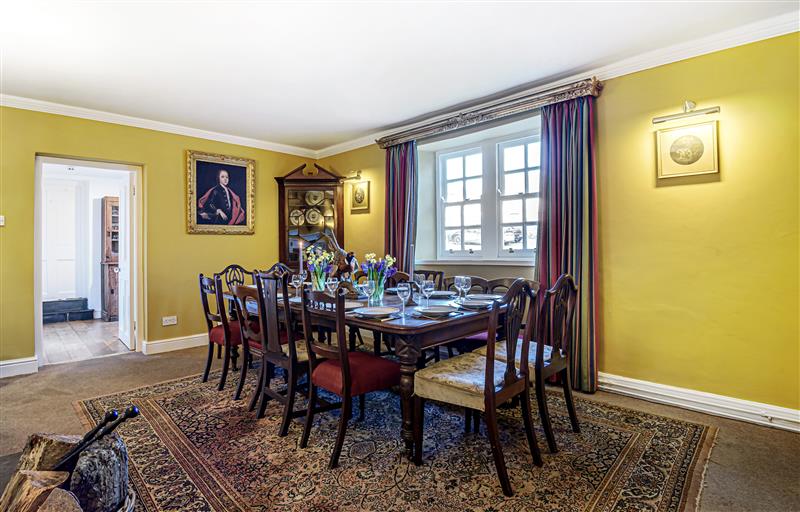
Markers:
point(501, 355)
point(458, 380)
point(301, 351)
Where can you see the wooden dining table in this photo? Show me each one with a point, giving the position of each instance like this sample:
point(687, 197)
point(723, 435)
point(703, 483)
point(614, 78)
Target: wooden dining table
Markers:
point(413, 335)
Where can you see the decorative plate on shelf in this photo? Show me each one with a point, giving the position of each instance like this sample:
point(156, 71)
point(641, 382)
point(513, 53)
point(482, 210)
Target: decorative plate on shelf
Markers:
point(296, 217)
point(313, 216)
point(314, 197)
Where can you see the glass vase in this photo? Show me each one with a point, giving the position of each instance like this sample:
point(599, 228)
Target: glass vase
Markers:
point(376, 298)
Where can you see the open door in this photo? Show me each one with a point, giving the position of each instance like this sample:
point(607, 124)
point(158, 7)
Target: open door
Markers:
point(125, 295)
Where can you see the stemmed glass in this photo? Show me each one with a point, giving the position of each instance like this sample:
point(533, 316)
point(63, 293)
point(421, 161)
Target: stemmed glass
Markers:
point(427, 291)
point(403, 291)
point(332, 283)
point(370, 289)
point(458, 282)
point(418, 280)
point(297, 282)
point(466, 284)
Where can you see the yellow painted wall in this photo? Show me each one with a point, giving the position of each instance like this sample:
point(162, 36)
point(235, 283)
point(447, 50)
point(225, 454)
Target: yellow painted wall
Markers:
point(173, 257)
point(699, 279)
point(363, 232)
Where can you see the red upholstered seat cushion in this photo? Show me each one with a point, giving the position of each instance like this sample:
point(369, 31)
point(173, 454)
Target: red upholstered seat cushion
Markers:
point(367, 373)
point(217, 334)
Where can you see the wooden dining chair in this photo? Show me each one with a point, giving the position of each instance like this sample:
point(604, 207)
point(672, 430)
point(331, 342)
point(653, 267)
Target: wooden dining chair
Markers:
point(398, 277)
point(279, 268)
point(335, 368)
point(551, 350)
point(437, 276)
point(478, 284)
point(482, 383)
point(249, 311)
point(233, 275)
point(222, 332)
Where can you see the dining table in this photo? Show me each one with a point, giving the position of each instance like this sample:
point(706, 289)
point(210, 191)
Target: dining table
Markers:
point(413, 335)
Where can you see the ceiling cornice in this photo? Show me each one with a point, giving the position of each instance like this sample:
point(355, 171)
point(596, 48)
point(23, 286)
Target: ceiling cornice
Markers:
point(7, 100)
point(752, 32)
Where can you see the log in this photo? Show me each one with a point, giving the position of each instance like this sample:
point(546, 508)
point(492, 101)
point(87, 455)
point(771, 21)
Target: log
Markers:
point(100, 477)
point(42, 451)
point(27, 490)
point(60, 500)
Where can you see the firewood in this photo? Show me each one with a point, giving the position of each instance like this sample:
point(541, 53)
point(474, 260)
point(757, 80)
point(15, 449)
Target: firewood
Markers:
point(42, 451)
point(28, 490)
point(60, 500)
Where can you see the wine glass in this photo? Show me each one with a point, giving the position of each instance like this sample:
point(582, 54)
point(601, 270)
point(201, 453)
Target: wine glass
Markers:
point(297, 282)
point(427, 291)
point(458, 282)
point(370, 289)
point(418, 280)
point(332, 283)
point(403, 291)
point(466, 284)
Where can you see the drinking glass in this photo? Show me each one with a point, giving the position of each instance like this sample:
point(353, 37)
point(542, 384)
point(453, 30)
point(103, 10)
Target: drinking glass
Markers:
point(403, 291)
point(332, 283)
point(370, 288)
point(466, 283)
point(458, 282)
point(297, 282)
point(427, 291)
point(418, 280)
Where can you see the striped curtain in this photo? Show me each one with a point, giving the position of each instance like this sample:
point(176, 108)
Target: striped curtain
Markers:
point(567, 240)
point(401, 203)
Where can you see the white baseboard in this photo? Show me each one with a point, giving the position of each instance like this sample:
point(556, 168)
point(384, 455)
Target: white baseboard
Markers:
point(180, 343)
point(709, 403)
point(22, 366)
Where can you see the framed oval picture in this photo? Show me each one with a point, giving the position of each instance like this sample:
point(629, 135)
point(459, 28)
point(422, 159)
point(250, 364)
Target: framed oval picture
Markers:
point(220, 193)
point(687, 150)
point(359, 197)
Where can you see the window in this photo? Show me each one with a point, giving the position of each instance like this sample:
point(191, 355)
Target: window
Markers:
point(488, 199)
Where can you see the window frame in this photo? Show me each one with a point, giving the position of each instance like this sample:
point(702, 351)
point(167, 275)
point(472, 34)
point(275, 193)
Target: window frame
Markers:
point(523, 196)
point(491, 202)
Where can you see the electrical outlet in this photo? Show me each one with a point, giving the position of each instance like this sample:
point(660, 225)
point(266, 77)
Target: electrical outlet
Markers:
point(169, 320)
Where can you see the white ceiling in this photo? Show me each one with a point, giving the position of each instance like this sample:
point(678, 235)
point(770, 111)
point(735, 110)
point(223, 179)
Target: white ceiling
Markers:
point(314, 74)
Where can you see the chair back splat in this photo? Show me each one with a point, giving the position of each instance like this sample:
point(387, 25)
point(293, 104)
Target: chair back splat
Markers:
point(321, 312)
point(279, 268)
point(234, 275)
point(437, 276)
point(212, 286)
point(558, 312)
point(508, 317)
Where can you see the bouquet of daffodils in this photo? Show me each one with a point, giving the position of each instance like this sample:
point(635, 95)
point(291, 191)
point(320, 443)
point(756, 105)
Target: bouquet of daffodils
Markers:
point(378, 270)
point(320, 264)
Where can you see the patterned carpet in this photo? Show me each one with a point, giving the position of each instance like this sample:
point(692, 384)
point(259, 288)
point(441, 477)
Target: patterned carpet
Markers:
point(195, 449)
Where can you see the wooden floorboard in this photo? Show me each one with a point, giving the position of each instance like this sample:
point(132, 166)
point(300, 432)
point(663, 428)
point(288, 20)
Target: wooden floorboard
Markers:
point(81, 339)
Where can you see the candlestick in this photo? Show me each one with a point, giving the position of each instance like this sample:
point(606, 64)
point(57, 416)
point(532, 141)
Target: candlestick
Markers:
point(300, 268)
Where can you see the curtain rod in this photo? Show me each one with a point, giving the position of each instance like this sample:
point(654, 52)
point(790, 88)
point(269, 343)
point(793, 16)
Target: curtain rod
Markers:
point(494, 110)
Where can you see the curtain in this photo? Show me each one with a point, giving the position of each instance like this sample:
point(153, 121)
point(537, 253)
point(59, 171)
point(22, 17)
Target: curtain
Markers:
point(401, 203)
point(567, 240)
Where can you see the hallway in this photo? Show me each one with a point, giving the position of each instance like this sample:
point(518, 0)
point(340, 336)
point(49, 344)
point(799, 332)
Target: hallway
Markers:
point(77, 340)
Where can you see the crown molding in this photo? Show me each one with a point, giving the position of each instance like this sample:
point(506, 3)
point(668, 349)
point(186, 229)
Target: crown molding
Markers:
point(750, 33)
point(7, 100)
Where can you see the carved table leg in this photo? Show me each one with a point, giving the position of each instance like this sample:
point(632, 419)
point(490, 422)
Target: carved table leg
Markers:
point(408, 354)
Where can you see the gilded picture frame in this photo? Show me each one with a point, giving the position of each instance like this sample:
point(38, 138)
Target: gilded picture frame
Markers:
point(359, 197)
point(687, 150)
point(220, 194)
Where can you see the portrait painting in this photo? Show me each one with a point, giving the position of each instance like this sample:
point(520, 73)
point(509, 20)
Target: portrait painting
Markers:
point(359, 197)
point(687, 150)
point(221, 193)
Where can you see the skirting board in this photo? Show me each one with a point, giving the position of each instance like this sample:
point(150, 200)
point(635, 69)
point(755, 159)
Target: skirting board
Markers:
point(170, 344)
point(22, 366)
point(708, 403)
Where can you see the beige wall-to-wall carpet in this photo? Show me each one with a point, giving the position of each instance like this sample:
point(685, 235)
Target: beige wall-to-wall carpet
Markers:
point(196, 449)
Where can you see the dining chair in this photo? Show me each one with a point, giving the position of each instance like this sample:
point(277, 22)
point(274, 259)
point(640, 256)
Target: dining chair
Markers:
point(278, 268)
point(437, 276)
point(478, 284)
point(334, 368)
point(233, 275)
point(222, 332)
point(398, 277)
point(482, 383)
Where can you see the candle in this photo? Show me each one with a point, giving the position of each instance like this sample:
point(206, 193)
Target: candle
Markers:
point(300, 267)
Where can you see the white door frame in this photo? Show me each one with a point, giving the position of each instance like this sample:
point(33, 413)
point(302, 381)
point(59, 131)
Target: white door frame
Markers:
point(136, 246)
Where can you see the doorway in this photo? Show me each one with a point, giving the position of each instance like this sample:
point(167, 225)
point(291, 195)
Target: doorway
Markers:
point(85, 253)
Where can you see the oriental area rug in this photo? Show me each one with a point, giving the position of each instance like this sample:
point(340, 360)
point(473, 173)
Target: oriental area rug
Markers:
point(196, 449)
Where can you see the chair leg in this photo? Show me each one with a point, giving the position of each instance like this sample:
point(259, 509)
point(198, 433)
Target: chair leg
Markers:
point(467, 420)
point(288, 407)
point(419, 423)
point(347, 405)
point(528, 421)
point(235, 357)
point(362, 405)
point(351, 338)
point(262, 405)
point(376, 346)
point(225, 363)
point(242, 375)
point(219, 351)
point(544, 415)
point(476, 421)
point(259, 387)
point(450, 351)
point(312, 404)
point(497, 452)
point(208, 361)
point(566, 383)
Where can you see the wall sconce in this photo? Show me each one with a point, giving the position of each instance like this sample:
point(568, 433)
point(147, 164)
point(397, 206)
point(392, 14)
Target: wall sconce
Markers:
point(355, 177)
point(688, 111)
